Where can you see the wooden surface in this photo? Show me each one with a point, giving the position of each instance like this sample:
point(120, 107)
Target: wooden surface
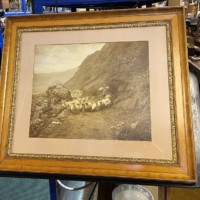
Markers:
point(183, 194)
point(5, 4)
point(174, 2)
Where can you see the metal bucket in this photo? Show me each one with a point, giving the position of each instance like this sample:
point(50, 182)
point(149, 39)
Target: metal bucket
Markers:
point(195, 97)
point(76, 190)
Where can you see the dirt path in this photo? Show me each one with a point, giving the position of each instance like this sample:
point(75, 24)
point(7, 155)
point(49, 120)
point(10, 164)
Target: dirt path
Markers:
point(90, 125)
point(109, 124)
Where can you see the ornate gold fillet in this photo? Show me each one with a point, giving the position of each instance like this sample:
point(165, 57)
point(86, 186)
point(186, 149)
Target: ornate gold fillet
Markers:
point(20, 31)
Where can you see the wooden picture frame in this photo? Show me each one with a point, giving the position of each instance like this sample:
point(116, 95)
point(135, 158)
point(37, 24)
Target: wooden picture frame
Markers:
point(140, 68)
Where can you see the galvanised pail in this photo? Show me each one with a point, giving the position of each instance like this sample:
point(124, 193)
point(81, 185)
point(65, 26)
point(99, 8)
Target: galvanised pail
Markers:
point(76, 190)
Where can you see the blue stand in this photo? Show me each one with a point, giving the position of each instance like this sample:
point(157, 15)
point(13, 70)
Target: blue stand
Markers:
point(38, 4)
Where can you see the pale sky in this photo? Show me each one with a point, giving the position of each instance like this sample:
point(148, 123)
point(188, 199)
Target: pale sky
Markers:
point(57, 58)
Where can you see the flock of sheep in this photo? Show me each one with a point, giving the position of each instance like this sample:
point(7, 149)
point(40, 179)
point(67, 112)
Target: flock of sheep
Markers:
point(85, 104)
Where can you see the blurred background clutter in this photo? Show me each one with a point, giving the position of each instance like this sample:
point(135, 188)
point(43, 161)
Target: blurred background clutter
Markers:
point(44, 189)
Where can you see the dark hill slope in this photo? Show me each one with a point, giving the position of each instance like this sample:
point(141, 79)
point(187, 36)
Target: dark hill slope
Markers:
point(123, 66)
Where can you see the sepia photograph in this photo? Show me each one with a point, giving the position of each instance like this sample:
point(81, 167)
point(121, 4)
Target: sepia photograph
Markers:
point(91, 91)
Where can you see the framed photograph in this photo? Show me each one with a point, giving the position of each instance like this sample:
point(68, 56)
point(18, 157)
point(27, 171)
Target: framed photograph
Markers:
point(100, 94)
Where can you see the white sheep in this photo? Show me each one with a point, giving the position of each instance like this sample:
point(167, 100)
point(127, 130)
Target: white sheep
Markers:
point(88, 106)
point(101, 89)
point(78, 107)
point(107, 88)
point(108, 96)
point(106, 102)
point(94, 106)
point(99, 105)
point(66, 104)
point(56, 122)
point(72, 107)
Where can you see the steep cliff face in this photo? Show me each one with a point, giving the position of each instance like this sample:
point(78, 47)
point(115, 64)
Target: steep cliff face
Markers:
point(118, 74)
point(117, 65)
point(123, 67)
